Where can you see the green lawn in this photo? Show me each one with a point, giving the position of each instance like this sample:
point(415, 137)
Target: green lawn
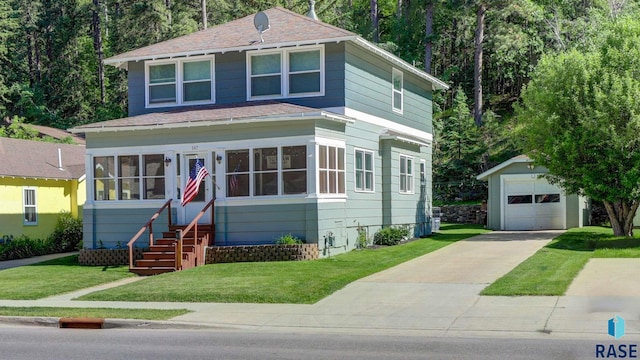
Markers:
point(55, 277)
point(111, 313)
point(301, 282)
point(551, 270)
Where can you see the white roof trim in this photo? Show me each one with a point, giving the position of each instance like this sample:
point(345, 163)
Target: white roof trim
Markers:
point(229, 121)
point(436, 83)
point(258, 46)
point(383, 123)
point(513, 160)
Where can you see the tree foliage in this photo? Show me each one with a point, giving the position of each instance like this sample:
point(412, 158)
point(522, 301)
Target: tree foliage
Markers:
point(580, 118)
point(50, 53)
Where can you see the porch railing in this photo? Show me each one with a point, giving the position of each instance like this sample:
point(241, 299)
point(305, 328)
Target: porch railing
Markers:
point(197, 243)
point(149, 226)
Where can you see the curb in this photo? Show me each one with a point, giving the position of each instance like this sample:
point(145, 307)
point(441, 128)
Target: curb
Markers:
point(76, 323)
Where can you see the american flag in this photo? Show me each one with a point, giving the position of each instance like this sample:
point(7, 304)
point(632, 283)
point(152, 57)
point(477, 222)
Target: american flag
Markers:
point(234, 181)
point(196, 175)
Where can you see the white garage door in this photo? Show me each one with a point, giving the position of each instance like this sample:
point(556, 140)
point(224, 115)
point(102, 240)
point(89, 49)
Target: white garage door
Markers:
point(532, 204)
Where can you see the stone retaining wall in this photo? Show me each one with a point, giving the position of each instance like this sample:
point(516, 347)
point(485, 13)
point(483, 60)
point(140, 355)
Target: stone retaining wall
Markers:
point(108, 257)
point(249, 253)
point(464, 214)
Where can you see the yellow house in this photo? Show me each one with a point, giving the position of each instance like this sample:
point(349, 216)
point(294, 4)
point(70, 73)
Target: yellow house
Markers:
point(38, 180)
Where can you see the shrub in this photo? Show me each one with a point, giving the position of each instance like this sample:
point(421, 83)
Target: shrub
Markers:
point(23, 247)
point(390, 235)
point(67, 234)
point(363, 240)
point(288, 240)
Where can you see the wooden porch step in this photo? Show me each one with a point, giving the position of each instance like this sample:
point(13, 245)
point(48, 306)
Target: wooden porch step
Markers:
point(148, 271)
point(170, 248)
point(155, 263)
point(168, 241)
point(202, 230)
point(156, 255)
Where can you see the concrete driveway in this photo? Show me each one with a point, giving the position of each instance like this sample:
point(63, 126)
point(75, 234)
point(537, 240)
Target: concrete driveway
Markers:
point(436, 294)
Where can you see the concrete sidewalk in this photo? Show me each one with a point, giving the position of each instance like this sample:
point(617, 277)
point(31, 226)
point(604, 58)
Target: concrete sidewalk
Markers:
point(433, 295)
point(8, 264)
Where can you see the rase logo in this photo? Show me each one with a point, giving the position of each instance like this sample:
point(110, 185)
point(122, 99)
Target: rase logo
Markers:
point(619, 351)
point(616, 327)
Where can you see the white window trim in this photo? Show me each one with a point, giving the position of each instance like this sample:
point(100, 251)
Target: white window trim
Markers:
point(364, 171)
point(252, 172)
point(410, 175)
point(284, 73)
point(25, 206)
point(179, 81)
point(423, 164)
point(395, 72)
point(336, 144)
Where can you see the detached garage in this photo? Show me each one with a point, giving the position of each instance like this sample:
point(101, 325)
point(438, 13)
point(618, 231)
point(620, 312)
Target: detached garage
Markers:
point(519, 199)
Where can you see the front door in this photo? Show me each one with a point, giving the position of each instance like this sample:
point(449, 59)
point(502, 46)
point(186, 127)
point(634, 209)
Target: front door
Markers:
point(205, 191)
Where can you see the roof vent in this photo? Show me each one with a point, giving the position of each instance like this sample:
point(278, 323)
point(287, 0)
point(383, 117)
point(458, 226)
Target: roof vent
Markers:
point(312, 10)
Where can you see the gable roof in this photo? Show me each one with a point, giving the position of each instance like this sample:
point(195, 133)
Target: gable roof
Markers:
point(287, 28)
point(513, 160)
point(37, 159)
point(255, 111)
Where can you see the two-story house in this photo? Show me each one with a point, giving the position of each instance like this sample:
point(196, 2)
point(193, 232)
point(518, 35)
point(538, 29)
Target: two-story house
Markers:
point(305, 128)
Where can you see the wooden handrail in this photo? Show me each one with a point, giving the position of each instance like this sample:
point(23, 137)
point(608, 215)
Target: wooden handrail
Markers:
point(148, 225)
point(194, 222)
point(194, 225)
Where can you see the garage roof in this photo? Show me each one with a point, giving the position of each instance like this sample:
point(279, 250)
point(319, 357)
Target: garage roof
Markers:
point(513, 160)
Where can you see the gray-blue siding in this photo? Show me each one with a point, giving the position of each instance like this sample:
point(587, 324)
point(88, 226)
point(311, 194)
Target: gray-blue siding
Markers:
point(231, 85)
point(354, 78)
point(368, 89)
point(113, 228)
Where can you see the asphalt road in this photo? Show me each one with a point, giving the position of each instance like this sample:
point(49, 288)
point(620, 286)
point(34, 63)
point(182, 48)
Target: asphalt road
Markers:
point(36, 343)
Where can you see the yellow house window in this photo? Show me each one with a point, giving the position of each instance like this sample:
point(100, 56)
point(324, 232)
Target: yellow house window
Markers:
point(29, 205)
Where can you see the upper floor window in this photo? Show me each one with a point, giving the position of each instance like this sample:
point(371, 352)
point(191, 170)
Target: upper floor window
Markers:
point(285, 73)
point(331, 171)
point(397, 90)
point(135, 177)
point(406, 174)
point(178, 82)
point(364, 170)
point(29, 205)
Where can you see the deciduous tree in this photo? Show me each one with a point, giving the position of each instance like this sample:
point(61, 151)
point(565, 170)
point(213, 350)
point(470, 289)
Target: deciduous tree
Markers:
point(580, 118)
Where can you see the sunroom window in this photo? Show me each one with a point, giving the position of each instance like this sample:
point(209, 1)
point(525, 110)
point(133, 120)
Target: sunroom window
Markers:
point(135, 177)
point(273, 171)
